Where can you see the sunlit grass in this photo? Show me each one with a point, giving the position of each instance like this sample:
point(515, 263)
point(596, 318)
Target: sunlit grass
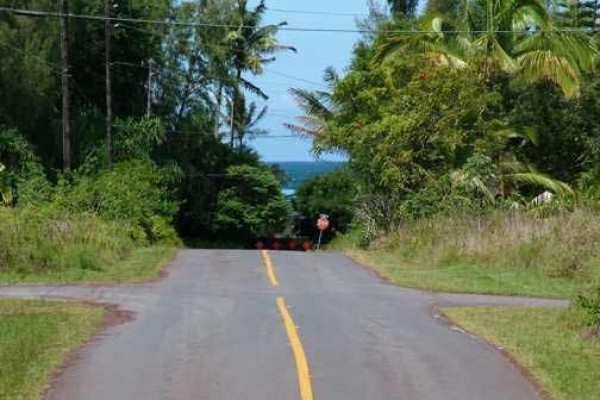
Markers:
point(35, 338)
point(143, 264)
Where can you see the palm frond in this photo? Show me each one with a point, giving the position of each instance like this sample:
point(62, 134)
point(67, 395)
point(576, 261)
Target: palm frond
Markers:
point(252, 88)
point(537, 179)
point(311, 103)
point(545, 64)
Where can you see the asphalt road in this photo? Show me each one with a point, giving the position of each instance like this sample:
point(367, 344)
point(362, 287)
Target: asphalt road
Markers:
point(228, 325)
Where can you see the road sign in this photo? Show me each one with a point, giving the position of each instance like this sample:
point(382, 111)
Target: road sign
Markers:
point(323, 223)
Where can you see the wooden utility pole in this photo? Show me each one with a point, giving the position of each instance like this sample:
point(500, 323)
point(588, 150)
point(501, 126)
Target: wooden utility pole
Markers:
point(149, 93)
point(66, 90)
point(109, 111)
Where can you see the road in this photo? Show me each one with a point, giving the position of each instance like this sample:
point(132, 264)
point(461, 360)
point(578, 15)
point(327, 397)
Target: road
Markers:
point(247, 325)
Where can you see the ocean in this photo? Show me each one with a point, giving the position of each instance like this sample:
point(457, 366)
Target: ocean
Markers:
point(298, 172)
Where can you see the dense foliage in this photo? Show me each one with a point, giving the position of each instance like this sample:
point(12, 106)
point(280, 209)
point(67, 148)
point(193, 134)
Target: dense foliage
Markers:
point(472, 131)
point(465, 114)
point(333, 194)
point(250, 204)
point(180, 123)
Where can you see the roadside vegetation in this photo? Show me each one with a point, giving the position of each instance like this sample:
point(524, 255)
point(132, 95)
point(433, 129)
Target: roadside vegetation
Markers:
point(112, 197)
point(511, 253)
point(473, 137)
point(35, 340)
point(473, 146)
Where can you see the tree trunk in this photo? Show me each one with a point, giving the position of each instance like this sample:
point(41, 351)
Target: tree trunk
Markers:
point(234, 102)
point(218, 110)
point(66, 90)
point(149, 89)
point(109, 112)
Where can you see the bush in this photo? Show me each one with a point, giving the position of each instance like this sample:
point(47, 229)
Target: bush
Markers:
point(22, 180)
point(333, 194)
point(590, 304)
point(40, 240)
point(251, 204)
point(133, 191)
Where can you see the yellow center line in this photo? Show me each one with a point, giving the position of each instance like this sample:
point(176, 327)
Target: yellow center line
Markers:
point(270, 269)
point(306, 392)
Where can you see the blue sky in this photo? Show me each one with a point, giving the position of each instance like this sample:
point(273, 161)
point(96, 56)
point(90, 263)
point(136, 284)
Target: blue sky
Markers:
point(316, 51)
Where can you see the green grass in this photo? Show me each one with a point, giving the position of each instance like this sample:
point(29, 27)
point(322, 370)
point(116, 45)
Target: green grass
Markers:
point(35, 338)
point(143, 264)
point(550, 343)
point(505, 253)
point(466, 278)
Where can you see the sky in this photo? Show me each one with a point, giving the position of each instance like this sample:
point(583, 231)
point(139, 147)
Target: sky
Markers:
point(316, 51)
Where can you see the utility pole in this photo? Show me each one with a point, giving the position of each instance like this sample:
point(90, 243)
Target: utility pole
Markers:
point(109, 111)
point(149, 94)
point(66, 92)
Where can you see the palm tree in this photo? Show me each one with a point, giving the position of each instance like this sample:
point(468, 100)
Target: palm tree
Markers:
point(501, 175)
point(246, 119)
point(317, 107)
point(404, 7)
point(253, 45)
point(504, 37)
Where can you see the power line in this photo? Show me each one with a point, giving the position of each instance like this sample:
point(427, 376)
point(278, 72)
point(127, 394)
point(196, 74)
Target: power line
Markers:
point(331, 13)
point(36, 13)
point(295, 78)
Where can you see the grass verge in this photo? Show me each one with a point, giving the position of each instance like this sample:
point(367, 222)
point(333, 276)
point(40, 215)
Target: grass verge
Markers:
point(465, 278)
point(504, 253)
point(550, 343)
point(36, 338)
point(142, 265)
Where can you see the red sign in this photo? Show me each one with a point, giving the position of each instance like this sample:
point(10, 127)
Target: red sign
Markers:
point(322, 223)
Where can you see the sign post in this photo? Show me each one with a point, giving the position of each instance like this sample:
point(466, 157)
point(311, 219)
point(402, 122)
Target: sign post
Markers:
point(322, 225)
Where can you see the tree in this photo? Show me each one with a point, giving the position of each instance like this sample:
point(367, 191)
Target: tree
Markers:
point(448, 8)
point(247, 119)
point(334, 194)
point(579, 13)
point(317, 107)
point(407, 8)
point(403, 123)
point(500, 38)
point(250, 204)
point(253, 45)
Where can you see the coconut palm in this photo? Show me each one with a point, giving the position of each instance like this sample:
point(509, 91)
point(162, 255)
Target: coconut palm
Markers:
point(253, 45)
point(501, 176)
point(247, 118)
point(405, 7)
point(504, 37)
point(317, 107)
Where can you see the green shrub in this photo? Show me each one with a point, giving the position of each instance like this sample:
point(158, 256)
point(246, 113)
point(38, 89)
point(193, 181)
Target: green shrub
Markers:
point(333, 194)
point(134, 191)
point(590, 304)
point(250, 204)
point(22, 180)
point(39, 240)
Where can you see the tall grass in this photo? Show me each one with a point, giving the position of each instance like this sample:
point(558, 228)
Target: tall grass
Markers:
point(565, 245)
point(40, 240)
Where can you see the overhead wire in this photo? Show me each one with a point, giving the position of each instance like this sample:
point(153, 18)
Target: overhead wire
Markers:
point(103, 18)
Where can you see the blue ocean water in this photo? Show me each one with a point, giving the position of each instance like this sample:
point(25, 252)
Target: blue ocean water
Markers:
point(298, 172)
